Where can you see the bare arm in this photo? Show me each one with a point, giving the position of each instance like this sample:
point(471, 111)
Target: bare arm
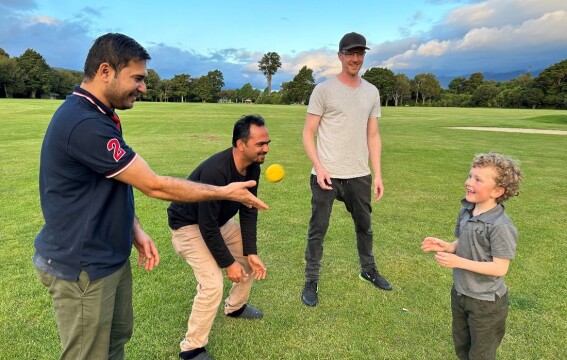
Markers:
point(446, 257)
point(309, 129)
point(375, 152)
point(142, 177)
point(496, 267)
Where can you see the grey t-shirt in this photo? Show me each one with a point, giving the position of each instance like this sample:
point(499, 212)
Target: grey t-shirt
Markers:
point(482, 238)
point(342, 144)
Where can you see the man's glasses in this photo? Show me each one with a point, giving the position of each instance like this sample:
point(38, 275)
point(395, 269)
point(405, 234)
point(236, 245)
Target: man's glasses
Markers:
point(351, 54)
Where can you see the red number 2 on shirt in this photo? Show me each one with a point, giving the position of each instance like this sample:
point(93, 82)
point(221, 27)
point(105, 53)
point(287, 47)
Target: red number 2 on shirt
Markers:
point(114, 145)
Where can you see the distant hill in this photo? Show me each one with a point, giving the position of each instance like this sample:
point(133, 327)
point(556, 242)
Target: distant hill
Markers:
point(500, 77)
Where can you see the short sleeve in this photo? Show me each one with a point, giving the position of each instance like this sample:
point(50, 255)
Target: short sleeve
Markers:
point(316, 104)
point(99, 145)
point(503, 241)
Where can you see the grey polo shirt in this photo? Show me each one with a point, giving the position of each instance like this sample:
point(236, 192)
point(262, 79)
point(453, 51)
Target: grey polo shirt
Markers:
point(482, 238)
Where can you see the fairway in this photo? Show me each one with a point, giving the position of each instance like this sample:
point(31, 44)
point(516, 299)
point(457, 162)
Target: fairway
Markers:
point(424, 164)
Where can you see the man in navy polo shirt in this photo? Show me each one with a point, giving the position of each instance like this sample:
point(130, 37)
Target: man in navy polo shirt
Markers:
point(86, 176)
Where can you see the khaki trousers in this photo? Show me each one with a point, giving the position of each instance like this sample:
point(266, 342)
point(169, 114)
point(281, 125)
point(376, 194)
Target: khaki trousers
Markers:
point(189, 245)
point(94, 318)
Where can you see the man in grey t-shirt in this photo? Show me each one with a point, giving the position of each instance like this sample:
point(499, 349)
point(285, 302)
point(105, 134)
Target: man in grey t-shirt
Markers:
point(343, 113)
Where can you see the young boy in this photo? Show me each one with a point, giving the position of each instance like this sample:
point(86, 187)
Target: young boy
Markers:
point(481, 256)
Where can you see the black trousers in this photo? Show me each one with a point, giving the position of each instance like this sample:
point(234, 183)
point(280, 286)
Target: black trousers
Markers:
point(478, 325)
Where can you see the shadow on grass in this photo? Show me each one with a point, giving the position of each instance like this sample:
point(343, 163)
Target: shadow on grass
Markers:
point(523, 302)
point(551, 119)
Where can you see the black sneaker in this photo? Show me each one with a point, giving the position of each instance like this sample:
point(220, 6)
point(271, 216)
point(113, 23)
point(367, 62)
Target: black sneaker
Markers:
point(376, 279)
point(309, 294)
point(246, 312)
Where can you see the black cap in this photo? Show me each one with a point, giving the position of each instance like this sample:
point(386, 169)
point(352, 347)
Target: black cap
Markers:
point(352, 40)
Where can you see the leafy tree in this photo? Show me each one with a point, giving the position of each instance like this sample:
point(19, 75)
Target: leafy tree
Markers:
point(510, 97)
point(165, 90)
point(485, 95)
point(402, 89)
point(430, 87)
point(474, 81)
point(383, 79)
point(288, 94)
point(264, 98)
point(63, 81)
point(458, 85)
point(450, 99)
point(525, 80)
point(217, 82)
point(8, 73)
point(227, 96)
point(247, 92)
point(553, 82)
point(34, 72)
point(276, 97)
point(179, 87)
point(269, 65)
point(152, 85)
point(533, 97)
point(202, 89)
point(416, 83)
point(521, 92)
point(427, 85)
point(300, 88)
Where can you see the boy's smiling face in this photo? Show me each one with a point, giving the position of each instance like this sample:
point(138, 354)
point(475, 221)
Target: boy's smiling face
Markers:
point(481, 188)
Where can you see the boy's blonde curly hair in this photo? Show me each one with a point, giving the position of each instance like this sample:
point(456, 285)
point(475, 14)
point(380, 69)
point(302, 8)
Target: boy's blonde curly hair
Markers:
point(509, 174)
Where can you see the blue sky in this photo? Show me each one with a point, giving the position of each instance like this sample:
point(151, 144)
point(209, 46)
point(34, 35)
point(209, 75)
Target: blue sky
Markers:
point(448, 38)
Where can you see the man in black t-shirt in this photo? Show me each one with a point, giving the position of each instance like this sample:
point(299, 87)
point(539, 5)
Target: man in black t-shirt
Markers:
point(205, 235)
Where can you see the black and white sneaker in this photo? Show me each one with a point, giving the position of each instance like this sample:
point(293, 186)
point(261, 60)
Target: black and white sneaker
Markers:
point(374, 277)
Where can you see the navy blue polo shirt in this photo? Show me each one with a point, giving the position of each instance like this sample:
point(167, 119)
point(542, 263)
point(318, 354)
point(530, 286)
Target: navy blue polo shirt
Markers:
point(88, 215)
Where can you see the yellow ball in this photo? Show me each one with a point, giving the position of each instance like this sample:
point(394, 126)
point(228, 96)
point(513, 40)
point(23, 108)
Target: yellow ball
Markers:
point(275, 173)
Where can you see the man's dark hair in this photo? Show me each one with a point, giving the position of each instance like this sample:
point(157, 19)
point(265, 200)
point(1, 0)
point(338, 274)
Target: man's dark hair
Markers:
point(114, 49)
point(242, 127)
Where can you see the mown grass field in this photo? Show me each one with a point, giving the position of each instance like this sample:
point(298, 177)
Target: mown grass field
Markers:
point(424, 168)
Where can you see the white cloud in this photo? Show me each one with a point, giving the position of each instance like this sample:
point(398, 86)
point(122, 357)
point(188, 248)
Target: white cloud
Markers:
point(487, 35)
point(45, 20)
point(433, 48)
point(499, 13)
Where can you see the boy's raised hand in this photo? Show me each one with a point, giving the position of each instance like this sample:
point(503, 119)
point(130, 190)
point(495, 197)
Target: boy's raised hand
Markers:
point(434, 244)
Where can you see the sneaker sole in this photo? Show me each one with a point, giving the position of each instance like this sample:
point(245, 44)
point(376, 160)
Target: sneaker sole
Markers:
point(307, 303)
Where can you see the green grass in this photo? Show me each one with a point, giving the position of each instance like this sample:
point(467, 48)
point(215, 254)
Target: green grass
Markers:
point(424, 167)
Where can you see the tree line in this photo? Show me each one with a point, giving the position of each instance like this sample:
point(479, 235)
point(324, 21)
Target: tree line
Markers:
point(29, 76)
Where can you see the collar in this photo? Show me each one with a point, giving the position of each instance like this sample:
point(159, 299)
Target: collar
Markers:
point(79, 91)
point(487, 217)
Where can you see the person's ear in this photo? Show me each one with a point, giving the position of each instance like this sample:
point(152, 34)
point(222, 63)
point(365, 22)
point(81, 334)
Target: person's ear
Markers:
point(105, 72)
point(499, 191)
point(240, 144)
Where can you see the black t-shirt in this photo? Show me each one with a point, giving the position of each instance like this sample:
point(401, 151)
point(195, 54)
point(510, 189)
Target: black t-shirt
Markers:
point(88, 215)
point(219, 170)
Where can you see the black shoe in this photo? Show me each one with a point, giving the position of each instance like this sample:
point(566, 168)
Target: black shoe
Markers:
point(376, 279)
point(196, 354)
point(246, 312)
point(309, 294)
